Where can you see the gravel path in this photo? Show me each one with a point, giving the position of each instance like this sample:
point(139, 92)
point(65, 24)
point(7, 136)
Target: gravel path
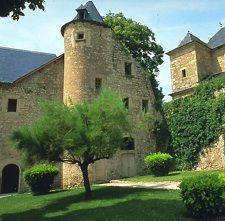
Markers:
point(168, 185)
point(6, 195)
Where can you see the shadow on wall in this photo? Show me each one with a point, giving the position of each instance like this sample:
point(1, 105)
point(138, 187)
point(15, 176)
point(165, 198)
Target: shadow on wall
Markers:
point(107, 204)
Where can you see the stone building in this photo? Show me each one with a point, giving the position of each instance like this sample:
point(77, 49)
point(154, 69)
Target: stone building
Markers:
point(93, 59)
point(192, 62)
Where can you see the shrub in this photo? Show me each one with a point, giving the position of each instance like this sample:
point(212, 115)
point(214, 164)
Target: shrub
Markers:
point(159, 164)
point(40, 178)
point(202, 194)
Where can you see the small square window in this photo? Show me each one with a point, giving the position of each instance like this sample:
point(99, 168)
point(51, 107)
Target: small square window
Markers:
point(128, 143)
point(12, 105)
point(128, 69)
point(98, 84)
point(126, 102)
point(145, 105)
point(80, 36)
point(184, 74)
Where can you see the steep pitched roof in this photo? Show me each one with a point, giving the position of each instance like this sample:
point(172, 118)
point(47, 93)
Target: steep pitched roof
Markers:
point(190, 38)
point(92, 12)
point(218, 39)
point(92, 15)
point(15, 63)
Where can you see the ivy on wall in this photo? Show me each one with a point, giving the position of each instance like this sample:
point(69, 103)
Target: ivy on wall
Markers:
point(195, 121)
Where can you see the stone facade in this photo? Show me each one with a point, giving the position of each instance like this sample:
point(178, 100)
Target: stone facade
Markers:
point(199, 62)
point(71, 78)
point(44, 83)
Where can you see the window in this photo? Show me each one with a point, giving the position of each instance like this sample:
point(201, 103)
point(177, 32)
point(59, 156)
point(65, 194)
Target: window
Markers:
point(145, 105)
point(184, 74)
point(128, 69)
point(98, 84)
point(12, 105)
point(126, 102)
point(80, 36)
point(128, 143)
point(82, 15)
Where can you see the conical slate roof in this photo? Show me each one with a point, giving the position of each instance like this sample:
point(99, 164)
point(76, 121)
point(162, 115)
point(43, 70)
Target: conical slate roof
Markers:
point(218, 39)
point(190, 38)
point(91, 15)
point(92, 12)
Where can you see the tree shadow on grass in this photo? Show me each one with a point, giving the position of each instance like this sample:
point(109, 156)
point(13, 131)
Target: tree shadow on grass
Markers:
point(113, 203)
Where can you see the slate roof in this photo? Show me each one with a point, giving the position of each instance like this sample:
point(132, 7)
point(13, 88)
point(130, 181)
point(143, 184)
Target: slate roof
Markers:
point(190, 38)
point(218, 39)
point(92, 15)
point(15, 63)
point(92, 12)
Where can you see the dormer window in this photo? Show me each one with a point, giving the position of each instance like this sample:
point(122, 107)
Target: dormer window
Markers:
point(82, 14)
point(184, 74)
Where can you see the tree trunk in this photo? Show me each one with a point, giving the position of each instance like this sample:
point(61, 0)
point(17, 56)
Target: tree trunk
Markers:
point(84, 169)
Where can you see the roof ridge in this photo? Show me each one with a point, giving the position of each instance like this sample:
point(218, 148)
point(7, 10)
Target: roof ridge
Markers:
point(24, 50)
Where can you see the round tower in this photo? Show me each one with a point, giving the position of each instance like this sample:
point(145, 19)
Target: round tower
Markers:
point(86, 42)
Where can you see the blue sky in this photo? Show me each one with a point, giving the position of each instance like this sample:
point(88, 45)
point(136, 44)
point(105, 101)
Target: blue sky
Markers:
point(170, 20)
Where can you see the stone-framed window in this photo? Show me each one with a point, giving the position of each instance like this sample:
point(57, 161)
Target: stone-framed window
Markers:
point(128, 69)
point(98, 84)
point(80, 36)
point(126, 102)
point(12, 105)
point(128, 143)
point(145, 106)
point(184, 73)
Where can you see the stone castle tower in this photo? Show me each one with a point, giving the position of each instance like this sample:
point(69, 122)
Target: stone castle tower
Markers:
point(194, 61)
point(93, 59)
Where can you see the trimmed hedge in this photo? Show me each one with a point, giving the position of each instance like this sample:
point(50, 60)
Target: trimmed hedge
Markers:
point(203, 194)
point(40, 178)
point(159, 163)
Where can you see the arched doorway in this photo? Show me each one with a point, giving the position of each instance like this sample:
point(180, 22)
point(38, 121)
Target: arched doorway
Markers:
point(10, 179)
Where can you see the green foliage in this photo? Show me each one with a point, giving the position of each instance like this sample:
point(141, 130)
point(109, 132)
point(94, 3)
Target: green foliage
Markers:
point(16, 7)
point(40, 178)
point(140, 42)
point(203, 194)
point(195, 121)
point(159, 164)
point(79, 134)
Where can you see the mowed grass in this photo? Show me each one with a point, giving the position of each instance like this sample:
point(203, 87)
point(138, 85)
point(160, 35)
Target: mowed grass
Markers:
point(176, 176)
point(112, 203)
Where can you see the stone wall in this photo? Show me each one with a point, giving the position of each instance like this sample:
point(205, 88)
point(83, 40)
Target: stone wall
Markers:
point(204, 61)
point(184, 58)
point(218, 58)
point(44, 83)
point(213, 156)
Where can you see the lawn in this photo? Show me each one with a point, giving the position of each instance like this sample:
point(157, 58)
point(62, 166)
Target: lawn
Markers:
point(173, 176)
point(112, 203)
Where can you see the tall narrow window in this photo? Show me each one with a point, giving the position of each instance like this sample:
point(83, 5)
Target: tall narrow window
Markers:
point(126, 102)
point(12, 105)
point(98, 84)
point(184, 74)
point(127, 69)
point(145, 105)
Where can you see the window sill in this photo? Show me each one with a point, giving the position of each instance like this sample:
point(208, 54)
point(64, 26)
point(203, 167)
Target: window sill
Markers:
point(79, 40)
